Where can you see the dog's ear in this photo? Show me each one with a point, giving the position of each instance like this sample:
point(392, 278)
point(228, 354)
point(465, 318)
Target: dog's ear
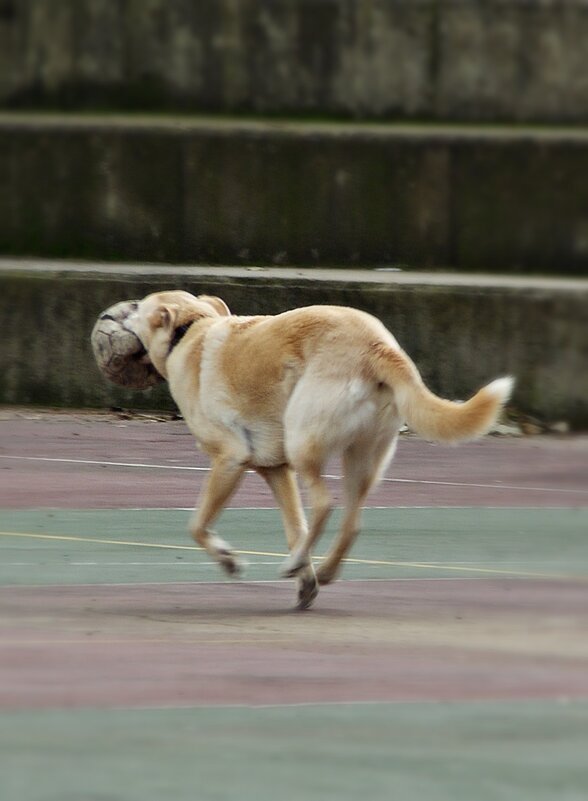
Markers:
point(217, 304)
point(164, 316)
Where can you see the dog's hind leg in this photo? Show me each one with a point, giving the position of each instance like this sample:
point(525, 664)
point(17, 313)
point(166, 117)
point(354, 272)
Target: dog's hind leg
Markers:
point(321, 503)
point(222, 482)
point(363, 464)
point(282, 482)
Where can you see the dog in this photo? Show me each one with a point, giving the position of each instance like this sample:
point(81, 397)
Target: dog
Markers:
point(280, 395)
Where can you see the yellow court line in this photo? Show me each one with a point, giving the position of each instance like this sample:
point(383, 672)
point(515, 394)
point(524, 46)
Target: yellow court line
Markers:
point(350, 560)
point(72, 538)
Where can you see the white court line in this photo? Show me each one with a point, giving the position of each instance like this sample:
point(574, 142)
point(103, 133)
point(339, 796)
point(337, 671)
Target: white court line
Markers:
point(148, 466)
point(117, 509)
point(276, 508)
point(283, 583)
point(169, 563)
point(194, 564)
point(107, 464)
point(531, 701)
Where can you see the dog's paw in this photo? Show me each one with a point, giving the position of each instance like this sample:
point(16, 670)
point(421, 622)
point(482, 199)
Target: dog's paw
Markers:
point(308, 589)
point(325, 574)
point(292, 566)
point(226, 557)
point(232, 566)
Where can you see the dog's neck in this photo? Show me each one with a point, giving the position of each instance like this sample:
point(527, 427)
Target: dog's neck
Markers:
point(178, 335)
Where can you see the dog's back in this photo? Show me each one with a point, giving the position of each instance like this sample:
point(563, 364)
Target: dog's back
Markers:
point(326, 375)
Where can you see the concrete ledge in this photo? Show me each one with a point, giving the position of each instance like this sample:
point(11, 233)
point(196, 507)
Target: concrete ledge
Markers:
point(461, 331)
point(221, 191)
point(433, 59)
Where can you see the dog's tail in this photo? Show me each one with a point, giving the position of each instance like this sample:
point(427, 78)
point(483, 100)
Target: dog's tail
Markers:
point(432, 417)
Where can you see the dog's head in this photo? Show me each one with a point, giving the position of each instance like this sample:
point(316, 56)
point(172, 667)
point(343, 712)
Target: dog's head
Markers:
point(162, 318)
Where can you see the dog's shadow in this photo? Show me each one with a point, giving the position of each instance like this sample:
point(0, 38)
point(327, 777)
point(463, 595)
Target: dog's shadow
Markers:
point(224, 603)
point(223, 613)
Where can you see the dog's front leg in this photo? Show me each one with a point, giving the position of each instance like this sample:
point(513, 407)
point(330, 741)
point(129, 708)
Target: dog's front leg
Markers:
point(222, 482)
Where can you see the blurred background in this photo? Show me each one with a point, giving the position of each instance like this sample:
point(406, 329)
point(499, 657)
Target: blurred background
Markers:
point(399, 137)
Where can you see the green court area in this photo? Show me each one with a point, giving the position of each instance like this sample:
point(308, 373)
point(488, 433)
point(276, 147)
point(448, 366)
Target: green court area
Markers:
point(120, 546)
point(506, 747)
point(413, 752)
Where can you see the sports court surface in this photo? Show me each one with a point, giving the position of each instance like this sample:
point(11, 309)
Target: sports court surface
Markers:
point(449, 662)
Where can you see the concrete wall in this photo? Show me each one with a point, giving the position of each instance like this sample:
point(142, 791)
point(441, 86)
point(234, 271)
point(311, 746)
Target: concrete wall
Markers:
point(515, 60)
point(461, 331)
point(297, 193)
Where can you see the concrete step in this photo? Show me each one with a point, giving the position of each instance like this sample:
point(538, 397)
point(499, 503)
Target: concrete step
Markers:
point(512, 60)
point(215, 190)
point(461, 331)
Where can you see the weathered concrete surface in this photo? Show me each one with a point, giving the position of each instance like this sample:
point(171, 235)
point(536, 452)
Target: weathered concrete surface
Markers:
point(514, 60)
point(461, 331)
point(222, 191)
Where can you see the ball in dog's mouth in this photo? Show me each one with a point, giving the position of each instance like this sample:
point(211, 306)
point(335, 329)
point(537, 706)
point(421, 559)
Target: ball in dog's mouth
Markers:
point(119, 353)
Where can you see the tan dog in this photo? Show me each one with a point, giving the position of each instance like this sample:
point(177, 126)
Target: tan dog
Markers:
point(282, 394)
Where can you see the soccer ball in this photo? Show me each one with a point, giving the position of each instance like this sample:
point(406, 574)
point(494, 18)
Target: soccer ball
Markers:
point(119, 353)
